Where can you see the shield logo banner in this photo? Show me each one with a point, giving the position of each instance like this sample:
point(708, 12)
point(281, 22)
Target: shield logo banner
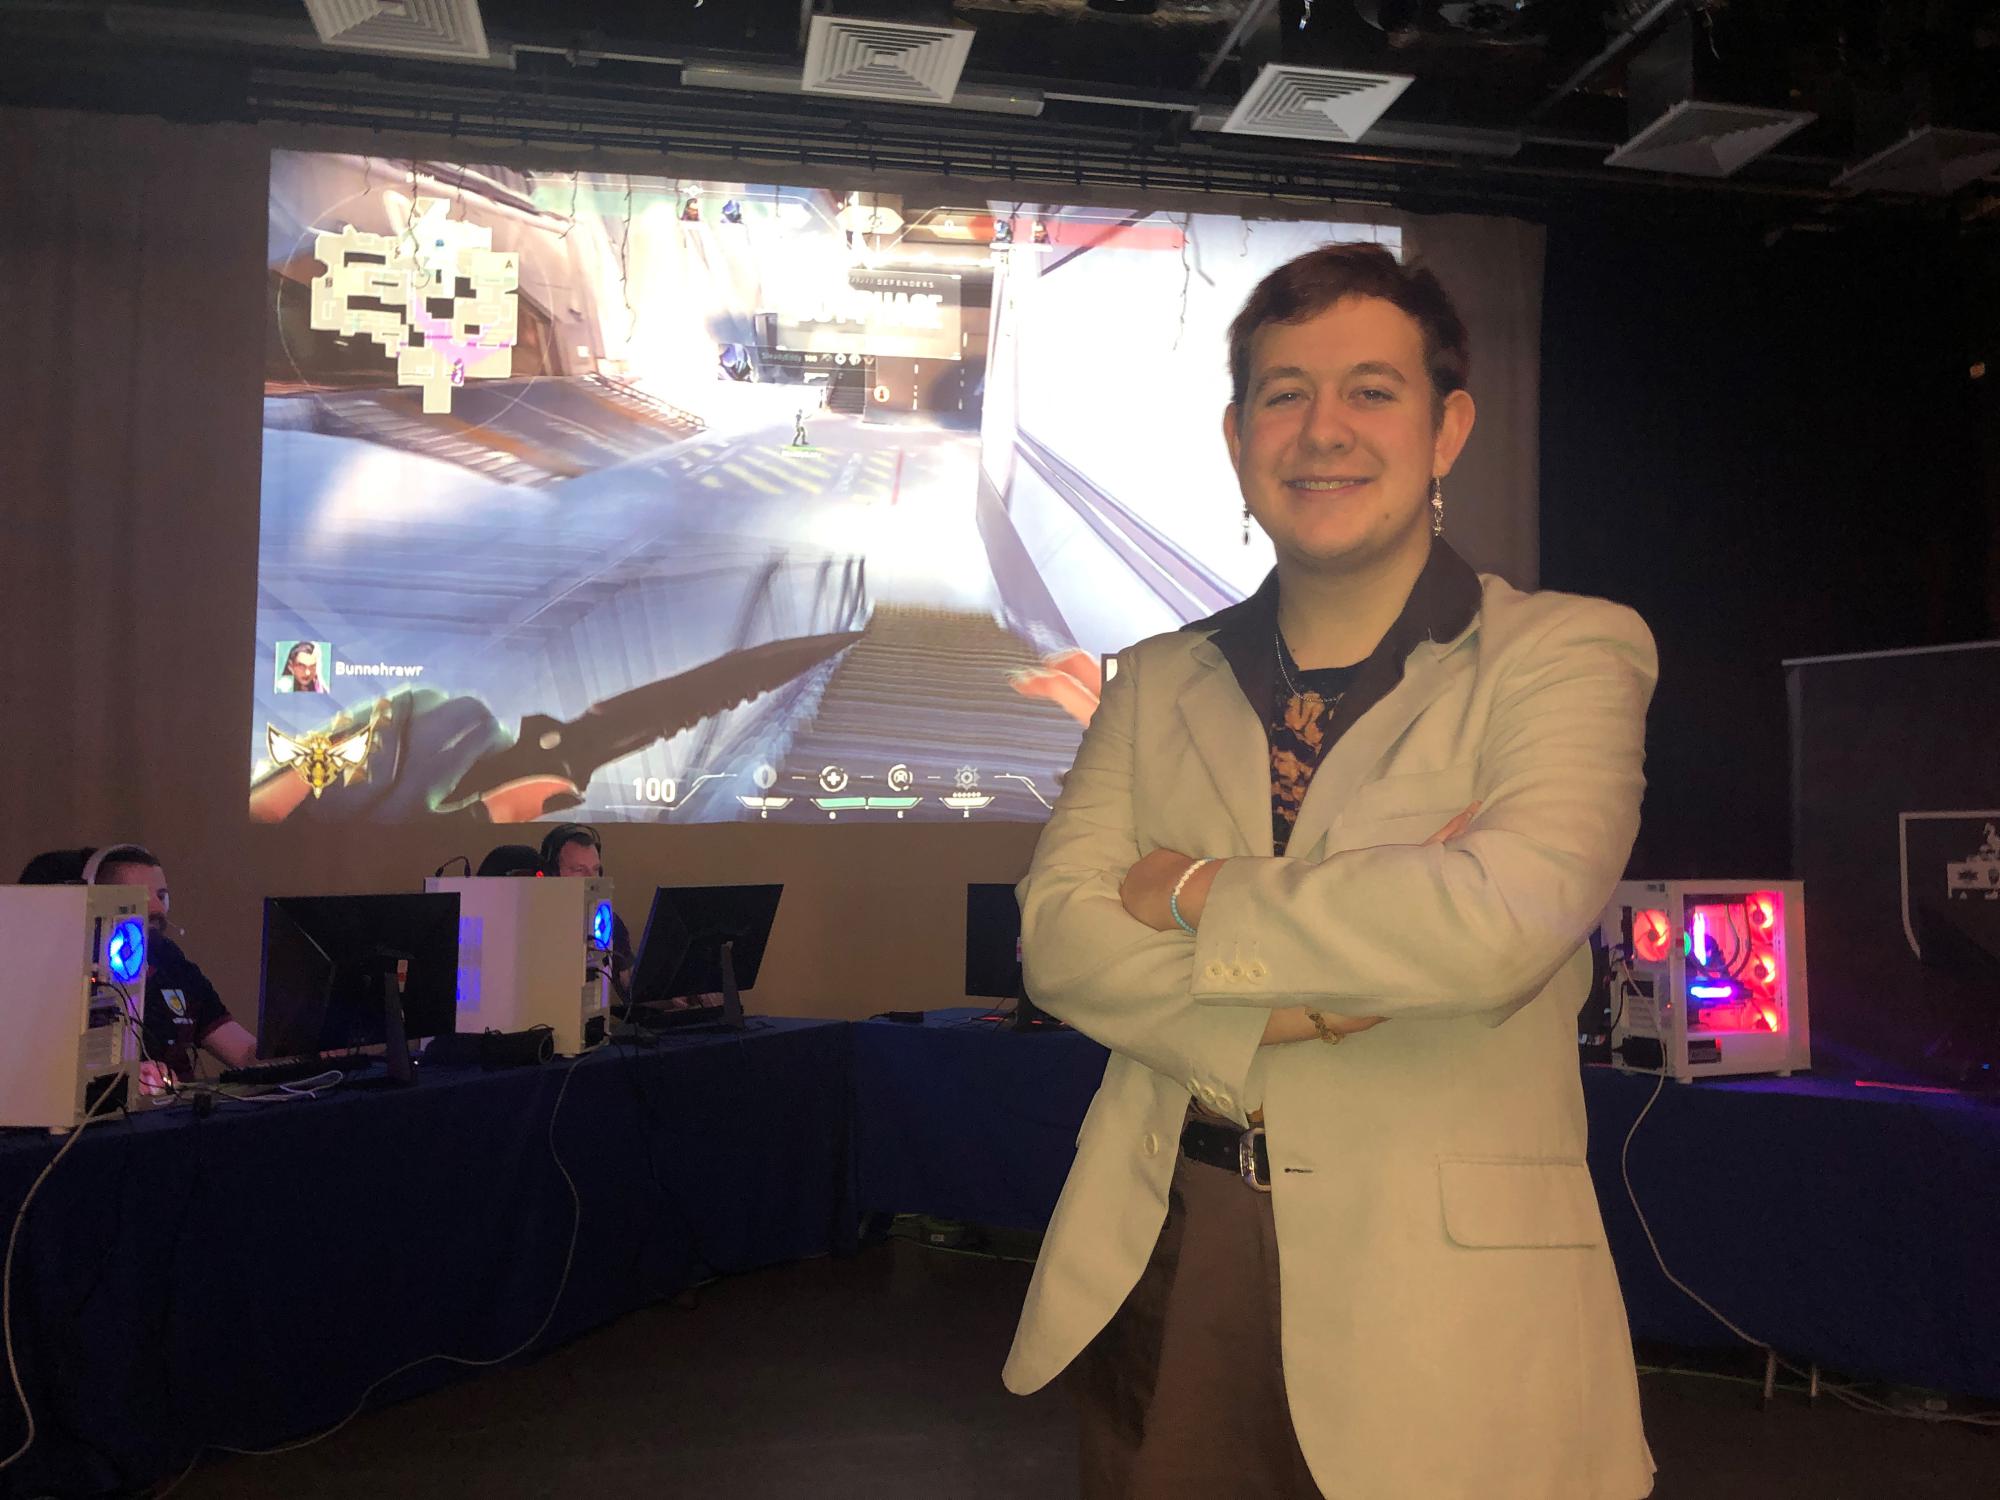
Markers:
point(1951, 872)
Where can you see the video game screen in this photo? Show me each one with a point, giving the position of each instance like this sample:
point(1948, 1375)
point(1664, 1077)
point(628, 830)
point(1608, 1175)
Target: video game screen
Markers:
point(651, 499)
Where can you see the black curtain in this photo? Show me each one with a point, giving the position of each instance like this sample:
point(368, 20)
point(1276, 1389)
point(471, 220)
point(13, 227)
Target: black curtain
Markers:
point(1769, 444)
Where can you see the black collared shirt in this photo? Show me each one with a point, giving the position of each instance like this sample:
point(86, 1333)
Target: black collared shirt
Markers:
point(1303, 725)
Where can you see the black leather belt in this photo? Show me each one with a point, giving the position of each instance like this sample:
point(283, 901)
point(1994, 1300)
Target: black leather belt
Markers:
point(1240, 1151)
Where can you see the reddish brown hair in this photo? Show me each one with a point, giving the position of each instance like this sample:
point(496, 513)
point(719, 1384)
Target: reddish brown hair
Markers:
point(1306, 287)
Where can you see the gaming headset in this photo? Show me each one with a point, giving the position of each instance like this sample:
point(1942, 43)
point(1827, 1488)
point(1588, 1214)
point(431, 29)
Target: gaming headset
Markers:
point(112, 854)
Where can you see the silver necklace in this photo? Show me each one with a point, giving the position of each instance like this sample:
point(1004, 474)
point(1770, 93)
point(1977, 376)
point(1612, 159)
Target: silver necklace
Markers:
point(1278, 646)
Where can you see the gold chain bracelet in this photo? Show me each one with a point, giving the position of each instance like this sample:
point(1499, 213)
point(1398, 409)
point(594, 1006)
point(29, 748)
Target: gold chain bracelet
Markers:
point(1326, 1033)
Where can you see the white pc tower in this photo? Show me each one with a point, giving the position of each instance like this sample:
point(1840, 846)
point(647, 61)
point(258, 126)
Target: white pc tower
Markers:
point(533, 952)
point(66, 951)
point(1708, 977)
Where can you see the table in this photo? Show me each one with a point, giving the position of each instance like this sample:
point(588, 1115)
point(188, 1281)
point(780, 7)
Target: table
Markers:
point(242, 1279)
point(968, 1119)
point(1857, 1227)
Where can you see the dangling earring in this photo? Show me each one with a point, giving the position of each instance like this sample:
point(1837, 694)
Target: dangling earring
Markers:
point(1246, 523)
point(1437, 506)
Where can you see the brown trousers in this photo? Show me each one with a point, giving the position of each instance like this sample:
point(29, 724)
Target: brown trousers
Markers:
point(1183, 1393)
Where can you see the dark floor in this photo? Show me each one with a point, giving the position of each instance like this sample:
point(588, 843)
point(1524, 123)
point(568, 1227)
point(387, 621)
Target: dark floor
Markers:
point(878, 1377)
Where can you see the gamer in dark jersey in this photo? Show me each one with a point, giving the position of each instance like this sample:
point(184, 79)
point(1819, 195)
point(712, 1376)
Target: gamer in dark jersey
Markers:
point(182, 1008)
point(183, 1013)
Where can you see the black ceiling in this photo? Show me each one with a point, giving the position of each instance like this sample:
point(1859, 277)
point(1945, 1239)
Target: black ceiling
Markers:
point(1544, 79)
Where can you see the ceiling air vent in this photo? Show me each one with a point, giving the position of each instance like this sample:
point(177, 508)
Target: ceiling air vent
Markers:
point(884, 60)
point(1933, 161)
point(1707, 140)
point(408, 28)
point(1314, 104)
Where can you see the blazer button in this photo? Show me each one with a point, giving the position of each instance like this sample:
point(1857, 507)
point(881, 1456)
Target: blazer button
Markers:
point(1257, 969)
point(1215, 971)
point(1236, 971)
point(1224, 1103)
point(1151, 1144)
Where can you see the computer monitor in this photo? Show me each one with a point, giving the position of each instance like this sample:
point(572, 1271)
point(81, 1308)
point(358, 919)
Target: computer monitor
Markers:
point(992, 942)
point(357, 971)
point(993, 953)
point(703, 941)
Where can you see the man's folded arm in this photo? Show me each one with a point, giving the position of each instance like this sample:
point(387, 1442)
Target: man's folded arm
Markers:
point(1478, 925)
point(1087, 960)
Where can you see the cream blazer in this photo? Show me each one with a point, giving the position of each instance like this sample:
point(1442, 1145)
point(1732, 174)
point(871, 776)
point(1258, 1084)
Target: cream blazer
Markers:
point(1452, 1325)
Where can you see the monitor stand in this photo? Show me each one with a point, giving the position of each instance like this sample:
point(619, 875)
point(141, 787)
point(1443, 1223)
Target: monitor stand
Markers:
point(731, 1018)
point(726, 1017)
point(1030, 1017)
point(401, 1071)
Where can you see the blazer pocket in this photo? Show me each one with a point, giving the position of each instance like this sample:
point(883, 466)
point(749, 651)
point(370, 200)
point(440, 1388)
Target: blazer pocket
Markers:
point(1449, 791)
point(1490, 1205)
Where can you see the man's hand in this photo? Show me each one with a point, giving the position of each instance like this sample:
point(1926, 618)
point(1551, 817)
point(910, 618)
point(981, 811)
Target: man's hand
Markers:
point(1291, 1024)
point(155, 1078)
point(1148, 889)
point(1072, 680)
point(1455, 827)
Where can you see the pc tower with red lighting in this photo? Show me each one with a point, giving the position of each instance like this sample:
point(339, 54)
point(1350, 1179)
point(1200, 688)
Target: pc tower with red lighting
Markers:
point(1708, 977)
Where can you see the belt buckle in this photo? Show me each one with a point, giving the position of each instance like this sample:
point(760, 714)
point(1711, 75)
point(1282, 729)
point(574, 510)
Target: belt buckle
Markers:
point(1246, 1158)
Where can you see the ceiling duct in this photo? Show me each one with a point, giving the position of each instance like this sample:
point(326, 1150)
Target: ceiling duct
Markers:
point(1933, 161)
point(1314, 104)
point(888, 60)
point(404, 28)
point(772, 78)
point(1675, 128)
point(1707, 140)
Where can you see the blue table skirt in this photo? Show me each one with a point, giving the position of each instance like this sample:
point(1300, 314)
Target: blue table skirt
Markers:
point(1859, 1227)
point(243, 1279)
point(966, 1119)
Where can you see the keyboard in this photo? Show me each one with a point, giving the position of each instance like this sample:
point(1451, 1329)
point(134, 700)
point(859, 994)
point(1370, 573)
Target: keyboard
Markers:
point(292, 1069)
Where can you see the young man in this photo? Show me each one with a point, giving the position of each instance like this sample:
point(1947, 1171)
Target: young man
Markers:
point(1320, 880)
point(574, 849)
point(183, 1014)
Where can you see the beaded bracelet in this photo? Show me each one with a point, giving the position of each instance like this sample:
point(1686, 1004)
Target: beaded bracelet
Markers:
point(1174, 901)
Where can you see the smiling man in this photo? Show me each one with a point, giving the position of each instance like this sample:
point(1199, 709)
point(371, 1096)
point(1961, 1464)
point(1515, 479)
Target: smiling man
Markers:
point(1320, 879)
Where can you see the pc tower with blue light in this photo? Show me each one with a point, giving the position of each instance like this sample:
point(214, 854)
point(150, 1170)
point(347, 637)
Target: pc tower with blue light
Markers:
point(73, 1003)
point(533, 952)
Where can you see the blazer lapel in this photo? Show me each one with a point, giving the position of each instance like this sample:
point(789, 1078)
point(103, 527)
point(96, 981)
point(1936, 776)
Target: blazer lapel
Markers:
point(1230, 740)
